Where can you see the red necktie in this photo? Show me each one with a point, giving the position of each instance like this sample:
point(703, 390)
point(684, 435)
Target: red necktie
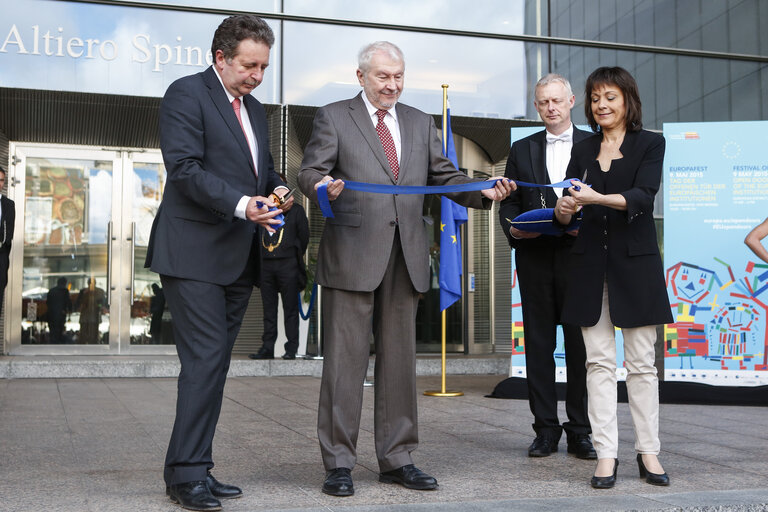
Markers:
point(387, 143)
point(236, 108)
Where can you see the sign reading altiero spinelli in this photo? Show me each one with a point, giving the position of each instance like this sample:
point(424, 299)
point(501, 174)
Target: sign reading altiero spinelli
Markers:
point(108, 49)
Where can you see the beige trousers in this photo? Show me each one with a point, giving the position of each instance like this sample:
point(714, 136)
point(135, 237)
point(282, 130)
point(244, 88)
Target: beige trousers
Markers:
point(642, 384)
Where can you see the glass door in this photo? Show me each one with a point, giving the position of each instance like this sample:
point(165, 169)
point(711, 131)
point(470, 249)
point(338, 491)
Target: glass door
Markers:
point(149, 322)
point(77, 280)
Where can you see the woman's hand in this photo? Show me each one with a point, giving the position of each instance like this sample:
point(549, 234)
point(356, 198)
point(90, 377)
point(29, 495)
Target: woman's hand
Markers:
point(584, 194)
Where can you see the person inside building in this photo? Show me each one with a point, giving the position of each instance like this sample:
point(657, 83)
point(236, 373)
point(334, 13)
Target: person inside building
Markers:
point(616, 277)
point(541, 263)
point(283, 272)
point(373, 262)
point(215, 144)
point(156, 309)
point(91, 301)
point(59, 305)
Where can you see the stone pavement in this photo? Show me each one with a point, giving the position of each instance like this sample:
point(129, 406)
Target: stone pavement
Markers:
point(97, 444)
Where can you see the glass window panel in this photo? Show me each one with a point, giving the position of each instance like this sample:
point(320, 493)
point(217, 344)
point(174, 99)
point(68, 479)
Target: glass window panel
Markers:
point(496, 16)
point(241, 5)
point(150, 317)
point(486, 77)
point(64, 278)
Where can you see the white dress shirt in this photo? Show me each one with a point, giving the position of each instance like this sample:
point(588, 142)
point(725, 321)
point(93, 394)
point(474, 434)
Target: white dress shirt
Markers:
point(390, 120)
point(558, 156)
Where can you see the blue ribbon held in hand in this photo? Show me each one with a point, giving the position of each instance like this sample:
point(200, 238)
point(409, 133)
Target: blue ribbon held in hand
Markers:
point(325, 204)
point(279, 217)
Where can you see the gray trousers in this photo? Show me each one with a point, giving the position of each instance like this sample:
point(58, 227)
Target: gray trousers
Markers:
point(348, 317)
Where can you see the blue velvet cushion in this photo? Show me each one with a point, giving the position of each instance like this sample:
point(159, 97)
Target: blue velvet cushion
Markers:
point(540, 221)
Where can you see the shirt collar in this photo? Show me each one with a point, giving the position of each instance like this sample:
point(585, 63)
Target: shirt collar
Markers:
point(229, 96)
point(569, 131)
point(372, 110)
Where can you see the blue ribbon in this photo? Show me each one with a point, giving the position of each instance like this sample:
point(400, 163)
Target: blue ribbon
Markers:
point(325, 204)
point(306, 315)
point(279, 217)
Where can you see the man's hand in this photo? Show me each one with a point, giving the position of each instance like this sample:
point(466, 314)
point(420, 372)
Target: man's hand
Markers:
point(516, 233)
point(262, 215)
point(501, 190)
point(334, 187)
point(284, 205)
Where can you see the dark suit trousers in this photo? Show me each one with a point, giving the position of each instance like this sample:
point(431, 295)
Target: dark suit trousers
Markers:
point(206, 320)
point(280, 275)
point(348, 317)
point(542, 274)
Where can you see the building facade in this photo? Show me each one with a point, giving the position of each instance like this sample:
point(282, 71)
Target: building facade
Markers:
point(81, 81)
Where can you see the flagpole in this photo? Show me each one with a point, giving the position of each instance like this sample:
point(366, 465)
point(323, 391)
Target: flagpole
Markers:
point(443, 391)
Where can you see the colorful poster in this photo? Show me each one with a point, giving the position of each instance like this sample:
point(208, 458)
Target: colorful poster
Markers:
point(715, 192)
point(517, 364)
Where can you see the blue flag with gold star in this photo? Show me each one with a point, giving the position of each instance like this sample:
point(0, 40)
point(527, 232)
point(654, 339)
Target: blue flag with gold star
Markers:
point(452, 216)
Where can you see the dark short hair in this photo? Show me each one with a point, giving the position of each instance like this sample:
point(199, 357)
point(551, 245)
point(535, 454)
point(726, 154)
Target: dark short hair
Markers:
point(236, 28)
point(621, 78)
point(2, 170)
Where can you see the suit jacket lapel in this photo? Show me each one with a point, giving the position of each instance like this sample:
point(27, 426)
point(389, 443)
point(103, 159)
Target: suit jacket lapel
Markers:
point(406, 136)
point(538, 148)
point(363, 121)
point(261, 138)
point(220, 100)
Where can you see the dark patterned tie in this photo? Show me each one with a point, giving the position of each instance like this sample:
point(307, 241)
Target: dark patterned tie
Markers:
point(236, 108)
point(387, 143)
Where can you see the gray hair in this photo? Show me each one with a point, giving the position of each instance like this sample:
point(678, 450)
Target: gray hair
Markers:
point(368, 51)
point(552, 78)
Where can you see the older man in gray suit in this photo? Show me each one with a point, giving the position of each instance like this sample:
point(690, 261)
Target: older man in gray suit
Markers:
point(373, 263)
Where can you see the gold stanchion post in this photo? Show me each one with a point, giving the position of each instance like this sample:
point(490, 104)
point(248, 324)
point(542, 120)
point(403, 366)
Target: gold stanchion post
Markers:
point(443, 391)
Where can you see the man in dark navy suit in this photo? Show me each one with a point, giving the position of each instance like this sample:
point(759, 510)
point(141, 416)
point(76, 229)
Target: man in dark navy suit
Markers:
point(213, 135)
point(541, 269)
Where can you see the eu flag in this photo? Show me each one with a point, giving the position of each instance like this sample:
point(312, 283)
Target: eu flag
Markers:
point(451, 217)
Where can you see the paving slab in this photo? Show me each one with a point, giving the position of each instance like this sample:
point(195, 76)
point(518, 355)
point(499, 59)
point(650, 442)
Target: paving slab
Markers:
point(97, 444)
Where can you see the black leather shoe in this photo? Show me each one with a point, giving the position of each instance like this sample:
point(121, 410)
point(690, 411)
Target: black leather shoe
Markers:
point(338, 482)
point(651, 478)
point(542, 446)
point(194, 496)
point(263, 354)
point(409, 476)
point(605, 482)
point(221, 490)
point(288, 355)
point(581, 447)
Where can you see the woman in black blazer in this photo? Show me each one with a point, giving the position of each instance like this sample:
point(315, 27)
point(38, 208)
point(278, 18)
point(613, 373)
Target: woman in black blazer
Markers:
point(616, 274)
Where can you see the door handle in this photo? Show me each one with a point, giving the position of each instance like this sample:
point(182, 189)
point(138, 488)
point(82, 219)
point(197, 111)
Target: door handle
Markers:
point(109, 263)
point(132, 239)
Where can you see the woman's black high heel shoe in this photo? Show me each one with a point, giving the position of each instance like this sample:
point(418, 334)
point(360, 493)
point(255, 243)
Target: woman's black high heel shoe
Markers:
point(606, 482)
point(651, 478)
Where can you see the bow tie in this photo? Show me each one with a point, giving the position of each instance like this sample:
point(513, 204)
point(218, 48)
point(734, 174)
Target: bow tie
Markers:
point(563, 137)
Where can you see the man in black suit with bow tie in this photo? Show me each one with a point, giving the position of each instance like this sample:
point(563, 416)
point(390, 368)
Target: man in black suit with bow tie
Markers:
point(541, 269)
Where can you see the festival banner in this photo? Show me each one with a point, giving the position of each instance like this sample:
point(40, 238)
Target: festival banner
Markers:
point(715, 192)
